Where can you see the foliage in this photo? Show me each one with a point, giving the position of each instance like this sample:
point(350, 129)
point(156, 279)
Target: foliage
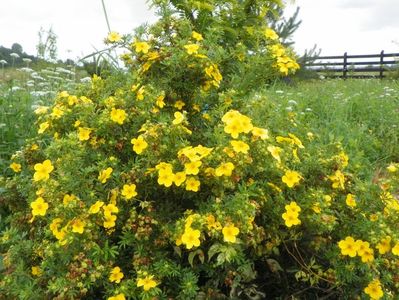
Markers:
point(167, 182)
point(47, 45)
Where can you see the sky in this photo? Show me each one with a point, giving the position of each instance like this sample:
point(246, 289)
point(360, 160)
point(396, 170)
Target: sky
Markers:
point(335, 26)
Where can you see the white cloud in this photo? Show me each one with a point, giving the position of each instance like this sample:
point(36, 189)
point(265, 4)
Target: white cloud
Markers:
point(79, 25)
point(354, 26)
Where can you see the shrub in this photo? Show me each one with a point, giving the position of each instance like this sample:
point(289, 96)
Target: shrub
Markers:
point(158, 183)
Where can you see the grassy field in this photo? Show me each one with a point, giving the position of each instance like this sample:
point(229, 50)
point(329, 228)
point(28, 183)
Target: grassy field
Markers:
point(362, 115)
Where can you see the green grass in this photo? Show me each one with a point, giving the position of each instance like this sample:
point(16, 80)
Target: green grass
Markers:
point(16, 123)
point(362, 115)
point(20, 92)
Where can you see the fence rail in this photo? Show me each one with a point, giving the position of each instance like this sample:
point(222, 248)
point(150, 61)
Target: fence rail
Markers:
point(348, 65)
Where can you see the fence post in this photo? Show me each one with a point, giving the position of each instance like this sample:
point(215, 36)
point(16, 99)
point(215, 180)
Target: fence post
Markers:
point(381, 64)
point(345, 69)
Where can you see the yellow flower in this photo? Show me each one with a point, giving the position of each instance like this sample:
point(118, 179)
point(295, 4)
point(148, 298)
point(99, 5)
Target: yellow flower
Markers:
point(271, 34)
point(147, 282)
point(78, 226)
point(395, 249)
point(179, 178)
point(16, 167)
point(190, 238)
point(179, 117)
point(55, 224)
point(84, 133)
point(368, 255)
point(230, 233)
point(385, 245)
point(39, 207)
point(338, 180)
point(68, 198)
point(225, 169)
point(374, 290)
point(109, 209)
point(316, 207)
point(139, 144)
point(41, 110)
point(291, 178)
point(160, 101)
point(43, 170)
point(192, 168)
point(104, 175)
point(34, 147)
point(140, 93)
point(164, 167)
point(350, 200)
point(362, 247)
point(392, 168)
point(260, 132)
point(191, 48)
point(43, 127)
point(118, 115)
point(95, 208)
point(240, 146)
point(179, 104)
point(117, 297)
point(141, 47)
point(192, 184)
point(109, 221)
point(72, 100)
point(129, 191)
point(293, 207)
point(197, 36)
point(348, 246)
point(116, 275)
point(291, 218)
point(36, 271)
point(57, 112)
point(113, 37)
point(165, 177)
point(275, 152)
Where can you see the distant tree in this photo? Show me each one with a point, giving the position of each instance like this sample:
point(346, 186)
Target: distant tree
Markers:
point(285, 28)
point(16, 48)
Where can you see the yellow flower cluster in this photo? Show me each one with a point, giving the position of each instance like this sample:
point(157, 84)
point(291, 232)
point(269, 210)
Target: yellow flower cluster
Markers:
point(236, 123)
point(291, 215)
point(352, 248)
point(118, 115)
point(338, 180)
point(284, 63)
point(213, 74)
point(109, 218)
point(60, 235)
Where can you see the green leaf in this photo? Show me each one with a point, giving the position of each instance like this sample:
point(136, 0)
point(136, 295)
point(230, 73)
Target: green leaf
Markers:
point(215, 248)
point(192, 255)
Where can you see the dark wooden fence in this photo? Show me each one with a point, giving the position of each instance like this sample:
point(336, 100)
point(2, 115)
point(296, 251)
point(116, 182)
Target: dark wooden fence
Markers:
point(355, 66)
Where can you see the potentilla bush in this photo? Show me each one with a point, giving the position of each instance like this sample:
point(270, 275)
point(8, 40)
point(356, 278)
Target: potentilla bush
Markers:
point(158, 183)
